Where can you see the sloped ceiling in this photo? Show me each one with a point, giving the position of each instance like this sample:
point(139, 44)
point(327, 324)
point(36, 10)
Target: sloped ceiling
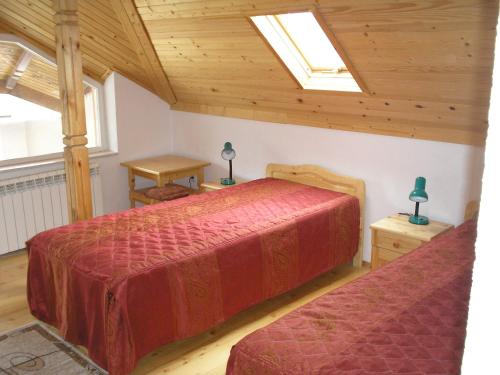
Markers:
point(427, 63)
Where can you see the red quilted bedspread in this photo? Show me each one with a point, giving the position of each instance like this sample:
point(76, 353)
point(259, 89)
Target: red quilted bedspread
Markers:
point(408, 317)
point(126, 283)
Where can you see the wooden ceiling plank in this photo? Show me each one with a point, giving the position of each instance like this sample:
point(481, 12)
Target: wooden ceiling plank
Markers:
point(422, 10)
point(23, 23)
point(299, 118)
point(343, 103)
point(137, 34)
point(104, 17)
point(41, 76)
point(41, 16)
point(350, 115)
point(446, 118)
point(446, 94)
point(96, 38)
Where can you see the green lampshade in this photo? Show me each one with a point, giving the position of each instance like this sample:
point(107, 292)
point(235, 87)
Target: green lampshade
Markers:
point(419, 194)
point(228, 152)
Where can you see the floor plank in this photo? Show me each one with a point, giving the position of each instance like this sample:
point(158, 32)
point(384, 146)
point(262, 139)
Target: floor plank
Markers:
point(203, 354)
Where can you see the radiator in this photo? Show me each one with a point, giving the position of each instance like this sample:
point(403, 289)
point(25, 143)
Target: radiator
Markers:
point(34, 203)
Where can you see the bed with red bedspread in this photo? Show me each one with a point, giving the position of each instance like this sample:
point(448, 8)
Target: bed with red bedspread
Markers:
point(126, 283)
point(408, 317)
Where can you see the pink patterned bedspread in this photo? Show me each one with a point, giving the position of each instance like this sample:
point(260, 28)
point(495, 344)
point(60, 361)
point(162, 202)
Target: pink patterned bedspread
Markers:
point(126, 283)
point(408, 317)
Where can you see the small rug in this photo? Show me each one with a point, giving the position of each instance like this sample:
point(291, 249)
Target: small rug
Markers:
point(33, 349)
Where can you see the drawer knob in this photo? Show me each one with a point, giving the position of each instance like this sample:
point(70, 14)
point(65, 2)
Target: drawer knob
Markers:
point(396, 245)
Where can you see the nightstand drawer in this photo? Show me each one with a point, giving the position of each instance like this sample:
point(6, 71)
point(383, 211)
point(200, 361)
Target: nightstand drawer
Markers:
point(394, 236)
point(383, 256)
point(395, 242)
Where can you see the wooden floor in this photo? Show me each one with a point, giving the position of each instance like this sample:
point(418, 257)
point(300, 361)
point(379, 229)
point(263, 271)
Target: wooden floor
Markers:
point(203, 354)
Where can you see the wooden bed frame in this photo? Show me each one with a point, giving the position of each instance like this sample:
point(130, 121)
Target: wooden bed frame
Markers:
point(471, 210)
point(320, 177)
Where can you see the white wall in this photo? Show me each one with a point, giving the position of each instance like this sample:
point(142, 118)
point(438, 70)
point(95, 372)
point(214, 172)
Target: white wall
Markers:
point(144, 129)
point(389, 165)
point(142, 121)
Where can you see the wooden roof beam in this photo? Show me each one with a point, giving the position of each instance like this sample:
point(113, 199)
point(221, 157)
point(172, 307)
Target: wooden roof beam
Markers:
point(139, 38)
point(21, 66)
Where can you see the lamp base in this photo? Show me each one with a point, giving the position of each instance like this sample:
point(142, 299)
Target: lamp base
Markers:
point(227, 181)
point(419, 220)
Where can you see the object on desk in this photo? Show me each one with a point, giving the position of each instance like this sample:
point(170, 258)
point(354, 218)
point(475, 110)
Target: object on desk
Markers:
point(229, 154)
point(217, 185)
point(167, 192)
point(419, 195)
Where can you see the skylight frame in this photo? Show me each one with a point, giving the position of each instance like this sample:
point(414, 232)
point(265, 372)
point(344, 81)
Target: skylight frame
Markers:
point(343, 82)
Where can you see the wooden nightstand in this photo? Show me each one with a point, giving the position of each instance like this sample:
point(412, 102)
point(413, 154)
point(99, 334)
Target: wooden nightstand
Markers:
point(216, 185)
point(394, 236)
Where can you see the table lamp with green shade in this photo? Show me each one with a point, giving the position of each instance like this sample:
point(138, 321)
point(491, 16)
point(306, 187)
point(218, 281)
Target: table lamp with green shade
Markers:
point(419, 195)
point(229, 154)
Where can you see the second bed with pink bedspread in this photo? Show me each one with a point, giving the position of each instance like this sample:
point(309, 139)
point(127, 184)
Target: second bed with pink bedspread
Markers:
point(408, 317)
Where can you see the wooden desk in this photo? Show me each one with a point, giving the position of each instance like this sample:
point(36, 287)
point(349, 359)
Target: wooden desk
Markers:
point(161, 169)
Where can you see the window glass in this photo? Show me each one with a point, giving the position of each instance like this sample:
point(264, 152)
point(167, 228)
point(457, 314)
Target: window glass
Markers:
point(311, 41)
point(30, 118)
point(307, 51)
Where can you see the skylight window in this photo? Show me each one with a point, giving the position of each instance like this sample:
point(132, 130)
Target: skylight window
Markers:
point(307, 51)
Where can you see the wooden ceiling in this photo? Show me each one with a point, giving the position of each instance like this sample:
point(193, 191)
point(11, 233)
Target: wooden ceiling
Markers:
point(427, 63)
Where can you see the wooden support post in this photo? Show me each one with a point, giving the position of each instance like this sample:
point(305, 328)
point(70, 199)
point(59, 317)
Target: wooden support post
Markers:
point(69, 66)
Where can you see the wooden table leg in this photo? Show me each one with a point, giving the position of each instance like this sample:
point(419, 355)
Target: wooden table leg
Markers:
point(159, 181)
point(163, 179)
point(131, 186)
point(200, 177)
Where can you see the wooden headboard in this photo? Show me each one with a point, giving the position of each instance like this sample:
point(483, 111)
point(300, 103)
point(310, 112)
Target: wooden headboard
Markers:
point(320, 177)
point(471, 210)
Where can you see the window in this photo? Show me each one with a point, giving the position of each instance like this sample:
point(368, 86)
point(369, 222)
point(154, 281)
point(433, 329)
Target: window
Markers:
point(307, 51)
point(30, 118)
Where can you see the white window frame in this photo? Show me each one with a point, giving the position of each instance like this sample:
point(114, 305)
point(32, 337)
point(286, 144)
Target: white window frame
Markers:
point(276, 36)
point(103, 130)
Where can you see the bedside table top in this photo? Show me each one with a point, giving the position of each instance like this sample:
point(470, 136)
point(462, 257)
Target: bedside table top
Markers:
point(399, 224)
point(216, 185)
point(165, 164)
